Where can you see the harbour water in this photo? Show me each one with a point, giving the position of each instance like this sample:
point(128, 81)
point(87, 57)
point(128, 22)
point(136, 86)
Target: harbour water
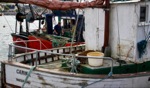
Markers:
point(7, 26)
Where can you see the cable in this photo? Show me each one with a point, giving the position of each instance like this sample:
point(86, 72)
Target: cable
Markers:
point(8, 24)
point(73, 36)
point(98, 30)
point(28, 75)
point(109, 75)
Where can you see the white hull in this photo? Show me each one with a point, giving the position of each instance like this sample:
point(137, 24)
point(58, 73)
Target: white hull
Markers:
point(43, 78)
point(14, 74)
point(125, 32)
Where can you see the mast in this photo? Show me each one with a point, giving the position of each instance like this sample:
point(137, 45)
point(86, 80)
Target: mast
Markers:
point(106, 31)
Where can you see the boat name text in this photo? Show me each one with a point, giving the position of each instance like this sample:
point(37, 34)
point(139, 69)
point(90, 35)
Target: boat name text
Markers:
point(21, 72)
point(21, 80)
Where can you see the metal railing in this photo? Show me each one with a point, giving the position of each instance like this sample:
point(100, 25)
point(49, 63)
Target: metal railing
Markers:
point(73, 68)
point(11, 54)
point(26, 41)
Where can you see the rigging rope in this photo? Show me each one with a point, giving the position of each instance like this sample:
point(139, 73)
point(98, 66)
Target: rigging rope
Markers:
point(118, 42)
point(28, 74)
point(8, 24)
point(109, 75)
point(73, 36)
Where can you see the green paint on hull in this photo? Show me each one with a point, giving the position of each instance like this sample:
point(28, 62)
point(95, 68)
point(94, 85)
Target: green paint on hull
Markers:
point(123, 69)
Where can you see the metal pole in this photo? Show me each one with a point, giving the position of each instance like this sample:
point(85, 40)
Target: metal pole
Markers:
point(36, 58)
point(10, 53)
point(106, 32)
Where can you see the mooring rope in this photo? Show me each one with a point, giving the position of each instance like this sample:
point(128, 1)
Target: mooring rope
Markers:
point(28, 74)
point(109, 75)
point(30, 71)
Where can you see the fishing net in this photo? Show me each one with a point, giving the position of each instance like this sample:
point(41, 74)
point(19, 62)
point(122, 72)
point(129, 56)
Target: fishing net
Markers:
point(57, 41)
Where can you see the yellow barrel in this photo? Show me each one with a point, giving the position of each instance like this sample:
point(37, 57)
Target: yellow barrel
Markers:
point(95, 61)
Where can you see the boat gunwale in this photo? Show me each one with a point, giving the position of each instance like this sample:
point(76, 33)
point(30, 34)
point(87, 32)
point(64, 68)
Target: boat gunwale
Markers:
point(95, 76)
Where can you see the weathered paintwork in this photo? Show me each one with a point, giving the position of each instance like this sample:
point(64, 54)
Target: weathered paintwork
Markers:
point(55, 79)
point(125, 30)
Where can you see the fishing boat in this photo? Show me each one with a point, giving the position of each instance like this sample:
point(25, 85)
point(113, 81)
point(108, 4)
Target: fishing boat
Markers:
point(115, 54)
point(43, 37)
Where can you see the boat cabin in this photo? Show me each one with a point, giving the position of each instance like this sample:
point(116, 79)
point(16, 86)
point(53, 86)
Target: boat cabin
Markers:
point(128, 29)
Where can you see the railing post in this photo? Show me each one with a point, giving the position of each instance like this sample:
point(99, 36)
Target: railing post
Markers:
point(36, 58)
point(10, 53)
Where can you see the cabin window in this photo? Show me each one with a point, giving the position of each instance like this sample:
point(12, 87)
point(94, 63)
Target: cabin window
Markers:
point(143, 13)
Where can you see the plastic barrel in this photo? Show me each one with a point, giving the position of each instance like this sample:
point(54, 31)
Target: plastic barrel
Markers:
point(95, 61)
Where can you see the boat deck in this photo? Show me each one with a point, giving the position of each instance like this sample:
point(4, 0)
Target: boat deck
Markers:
point(52, 60)
point(58, 65)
